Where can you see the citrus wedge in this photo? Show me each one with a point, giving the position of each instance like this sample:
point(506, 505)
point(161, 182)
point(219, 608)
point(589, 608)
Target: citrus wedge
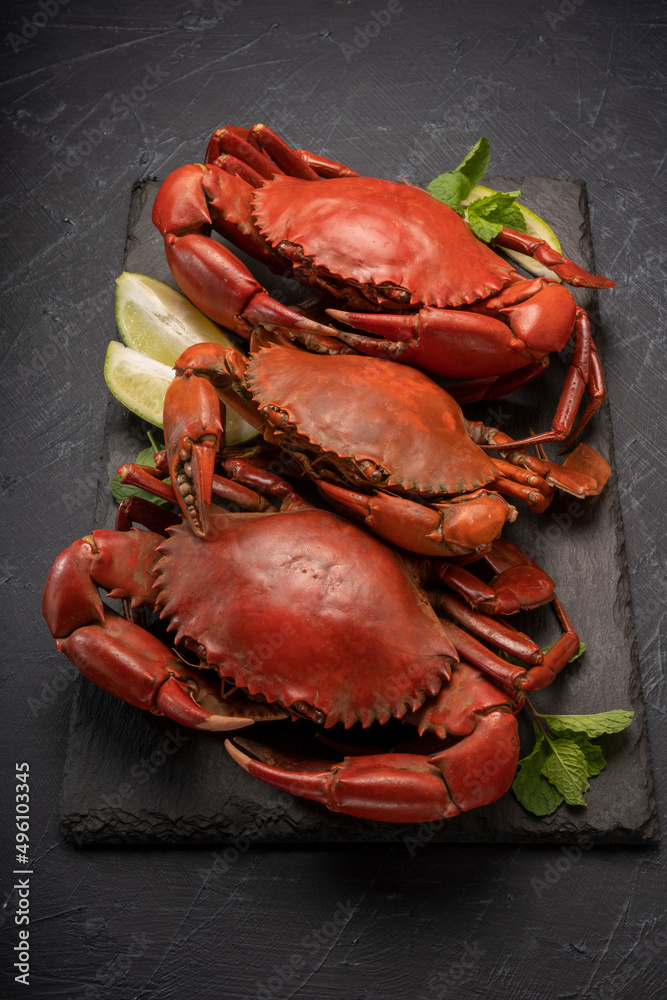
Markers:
point(156, 324)
point(140, 383)
point(535, 226)
point(156, 320)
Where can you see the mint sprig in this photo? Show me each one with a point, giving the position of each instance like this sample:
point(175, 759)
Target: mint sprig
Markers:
point(561, 762)
point(121, 491)
point(486, 216)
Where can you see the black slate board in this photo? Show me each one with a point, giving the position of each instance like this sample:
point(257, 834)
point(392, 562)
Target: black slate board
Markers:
point(133, 778)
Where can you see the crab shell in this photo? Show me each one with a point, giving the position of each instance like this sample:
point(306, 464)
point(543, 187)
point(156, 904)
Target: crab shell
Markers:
point(367, 410)
point(307, 611)
point(394, 242)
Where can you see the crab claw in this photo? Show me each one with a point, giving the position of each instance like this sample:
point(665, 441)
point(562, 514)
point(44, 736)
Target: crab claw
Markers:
point(589, 462)
point(463, 525)
point(398, 787)
point(193, 432)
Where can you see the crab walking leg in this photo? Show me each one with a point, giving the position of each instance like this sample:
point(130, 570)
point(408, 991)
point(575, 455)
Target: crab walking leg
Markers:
point(269, 482)
point(406, 787)
point(465, 524)
point(584, 472)
point(505, 340)
point(116, 654)
point(233, 141)
point(542, 668)
point(519, 582)
point(540, 250)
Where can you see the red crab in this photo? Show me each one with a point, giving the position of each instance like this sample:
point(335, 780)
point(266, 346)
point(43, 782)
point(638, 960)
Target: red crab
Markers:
point(300, 613)
point(417, 278)
point(386, 430)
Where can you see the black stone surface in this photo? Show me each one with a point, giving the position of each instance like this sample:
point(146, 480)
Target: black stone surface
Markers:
point(198, 794)
point(561, 90)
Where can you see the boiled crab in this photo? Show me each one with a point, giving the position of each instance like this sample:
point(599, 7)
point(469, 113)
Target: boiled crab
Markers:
point(297, 612)
point(382, 441)
point(408, 268)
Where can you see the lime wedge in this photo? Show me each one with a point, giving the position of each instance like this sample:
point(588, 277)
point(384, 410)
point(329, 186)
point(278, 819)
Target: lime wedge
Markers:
point(156, 320)
point(157, 323)
point(535, 226)
point(140, 383)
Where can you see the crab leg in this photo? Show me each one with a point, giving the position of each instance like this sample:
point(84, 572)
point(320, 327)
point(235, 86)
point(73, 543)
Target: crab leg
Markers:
point(505, 339)
point(409, 787)
point(519, 583)
point(584, 472)
point(262, 479)
point(465, 524)
point(566, 269)
point(116, 654)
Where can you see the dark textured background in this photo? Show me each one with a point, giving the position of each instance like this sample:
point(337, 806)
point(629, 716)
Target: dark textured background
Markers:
point(564, 89)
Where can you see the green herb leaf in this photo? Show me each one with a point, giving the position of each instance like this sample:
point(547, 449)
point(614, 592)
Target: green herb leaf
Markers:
point(595, 761)
point(589, 725)
point(566, 768)
point(533, 790)
point(451, 188)
point(475, 164)
point(121, 491)
point(488, 215)
point(454, 186)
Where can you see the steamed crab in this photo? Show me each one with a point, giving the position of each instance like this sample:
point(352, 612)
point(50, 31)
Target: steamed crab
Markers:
point(383, 442)
point(408, 268)
point(361, 642)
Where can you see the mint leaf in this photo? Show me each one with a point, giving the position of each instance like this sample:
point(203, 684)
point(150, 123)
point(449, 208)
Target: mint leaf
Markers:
point(533, 790)
point(595, 761)
point(454, 186)
point(589, 725)
point(121, 491)
point(483, 228)
point(488, 215)
point(475, 164)
point(566, 768)
point(451, 188)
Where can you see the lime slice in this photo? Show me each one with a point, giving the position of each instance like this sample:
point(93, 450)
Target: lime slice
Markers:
point(534, 227)
point(156, 320)
point(140, 383)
